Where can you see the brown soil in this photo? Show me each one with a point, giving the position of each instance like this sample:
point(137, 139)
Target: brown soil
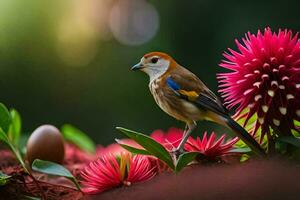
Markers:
point(260, 180)
point(256, 180)
point(22, 185)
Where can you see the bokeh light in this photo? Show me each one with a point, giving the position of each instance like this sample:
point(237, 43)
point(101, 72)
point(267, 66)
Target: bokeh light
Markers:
point(68, 61)
point(85, 24)
point(80, 29)
point(133, 22)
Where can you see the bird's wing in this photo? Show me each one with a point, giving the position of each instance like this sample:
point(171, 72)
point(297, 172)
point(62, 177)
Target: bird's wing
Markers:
point(188, 86)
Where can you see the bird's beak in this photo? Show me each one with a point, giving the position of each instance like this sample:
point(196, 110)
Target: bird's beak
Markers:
point(137, 66)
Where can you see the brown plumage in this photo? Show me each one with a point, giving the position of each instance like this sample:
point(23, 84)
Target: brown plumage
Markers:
point(191, 86)
point(182, 95)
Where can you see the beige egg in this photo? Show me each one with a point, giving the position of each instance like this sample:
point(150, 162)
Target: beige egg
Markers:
point(45, 143)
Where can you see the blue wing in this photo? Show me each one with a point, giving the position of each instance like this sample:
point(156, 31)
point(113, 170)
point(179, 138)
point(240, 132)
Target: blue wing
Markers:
point(172, 84)
point(202, 100)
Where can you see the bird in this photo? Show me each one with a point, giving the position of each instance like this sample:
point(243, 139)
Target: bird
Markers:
point(183, 96)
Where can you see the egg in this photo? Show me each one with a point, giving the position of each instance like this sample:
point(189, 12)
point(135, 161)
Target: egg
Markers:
point(45, 143)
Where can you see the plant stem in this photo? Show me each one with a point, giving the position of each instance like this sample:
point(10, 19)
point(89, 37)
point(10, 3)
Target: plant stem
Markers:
point(284, 130)
point(37, 185)
point(20, 159)
point(271, 144)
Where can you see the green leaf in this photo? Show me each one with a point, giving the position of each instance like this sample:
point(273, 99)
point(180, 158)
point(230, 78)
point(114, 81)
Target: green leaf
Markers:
point(4, 178)
point(240, 150)
point(23, 142)
point(244, 158)
point(184, 159)
point(250, 122)
point(55, 169)
point(14, 131)
point(3, 137)
point(290, 140)
point(132, 149)
point(78, 138)
point(5, 118)
point(5, 121)
point(296, 133)
point(150, 145)
point(6, 140)
point(240, 144)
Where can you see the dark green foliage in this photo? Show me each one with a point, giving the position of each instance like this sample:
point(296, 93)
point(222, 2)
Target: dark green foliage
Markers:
point(55, 169)
point(77, 137)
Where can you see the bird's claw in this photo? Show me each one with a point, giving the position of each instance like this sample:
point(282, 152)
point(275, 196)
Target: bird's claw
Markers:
point(176, 152)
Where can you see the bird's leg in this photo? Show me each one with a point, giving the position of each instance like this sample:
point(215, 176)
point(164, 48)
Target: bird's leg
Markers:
point(185, 129)
point(189, 129)
point(187, 133)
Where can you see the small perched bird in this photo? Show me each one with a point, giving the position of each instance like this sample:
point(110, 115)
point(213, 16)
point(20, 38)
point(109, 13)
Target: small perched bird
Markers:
point(182, 95)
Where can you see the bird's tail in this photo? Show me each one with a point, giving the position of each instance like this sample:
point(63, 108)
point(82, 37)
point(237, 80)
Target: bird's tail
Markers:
point(245, 136)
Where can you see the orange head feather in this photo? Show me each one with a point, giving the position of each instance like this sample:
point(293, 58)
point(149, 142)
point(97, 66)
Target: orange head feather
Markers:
point(162, 55)
point(156, 64)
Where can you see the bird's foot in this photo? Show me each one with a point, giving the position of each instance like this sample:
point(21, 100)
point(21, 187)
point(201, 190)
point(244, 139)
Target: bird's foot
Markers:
point(176, 152)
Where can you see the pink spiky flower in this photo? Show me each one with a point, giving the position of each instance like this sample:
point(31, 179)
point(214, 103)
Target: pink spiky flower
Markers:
point(110, 172)
point(170, 140)
point(209, 146)
point(115, 149)
point(265, 80)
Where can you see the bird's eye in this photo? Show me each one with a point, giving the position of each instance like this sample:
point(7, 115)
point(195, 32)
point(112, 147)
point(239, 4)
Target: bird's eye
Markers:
point(154, 60)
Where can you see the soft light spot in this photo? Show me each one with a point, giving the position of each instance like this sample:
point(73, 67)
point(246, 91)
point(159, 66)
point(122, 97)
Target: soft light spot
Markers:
point(261, 120)
point(289, 56)
point(265, 76)
point(127, 183)
point(133, 22)
point(265, 108)
point(281, 50)
point(281, 66)
point(298, 113)
point(276, 122)
point(271, 93)
point(240, 81)
point(256, 71)
point(257, 84)
point(282, 87)
point(76, 37)
point(251, 105)
point(266, 66)
point(285, 78)
point(282, 110)
point(257, 97)
point(273, 60)
point(248, 75)
point(274, 83)
point(290, 96)
point(247, 64)
point(248, 91)
point(297, 86)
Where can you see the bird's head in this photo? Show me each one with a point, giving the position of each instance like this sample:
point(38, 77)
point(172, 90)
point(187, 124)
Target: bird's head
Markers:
point(155, 64)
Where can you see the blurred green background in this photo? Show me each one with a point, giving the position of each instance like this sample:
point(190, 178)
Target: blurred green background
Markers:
point(68, 61)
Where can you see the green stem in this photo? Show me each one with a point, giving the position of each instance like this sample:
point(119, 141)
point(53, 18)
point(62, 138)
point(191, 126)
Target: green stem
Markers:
point(76, 183)
point(284, 130)
point(20, 159)
point(271, 144)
